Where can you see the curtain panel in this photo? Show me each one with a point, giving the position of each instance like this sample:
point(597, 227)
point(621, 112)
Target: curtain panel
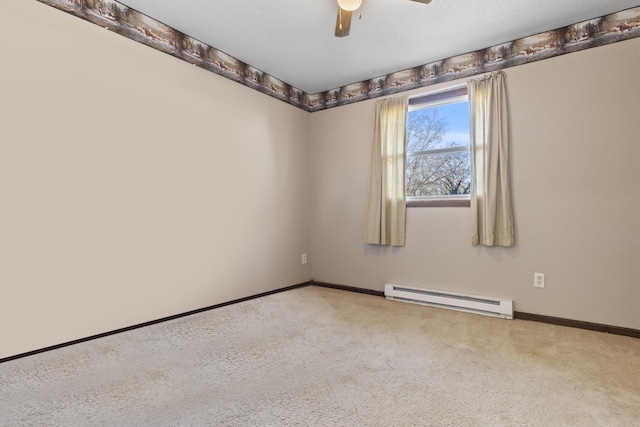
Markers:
point(491, 209)
point(386, 199)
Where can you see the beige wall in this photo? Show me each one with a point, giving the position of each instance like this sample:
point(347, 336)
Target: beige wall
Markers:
point(133, 185)
point(575, 157)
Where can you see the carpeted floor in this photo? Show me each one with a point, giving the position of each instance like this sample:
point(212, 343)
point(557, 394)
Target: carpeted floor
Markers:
point(323, 357)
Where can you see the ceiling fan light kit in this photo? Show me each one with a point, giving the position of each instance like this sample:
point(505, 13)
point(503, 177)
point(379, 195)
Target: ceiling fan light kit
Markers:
point(349, 5)
point(345, 10)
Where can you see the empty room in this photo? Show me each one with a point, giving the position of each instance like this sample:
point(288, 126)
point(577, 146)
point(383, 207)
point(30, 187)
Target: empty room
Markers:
point(320, 212)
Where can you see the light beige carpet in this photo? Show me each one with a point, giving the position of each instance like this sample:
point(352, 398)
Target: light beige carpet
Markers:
point(322, 357)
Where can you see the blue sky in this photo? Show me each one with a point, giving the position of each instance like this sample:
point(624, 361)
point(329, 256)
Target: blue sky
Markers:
point(458, 117)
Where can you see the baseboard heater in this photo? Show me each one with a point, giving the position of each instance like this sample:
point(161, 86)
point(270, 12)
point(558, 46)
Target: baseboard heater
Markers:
point(462, 302)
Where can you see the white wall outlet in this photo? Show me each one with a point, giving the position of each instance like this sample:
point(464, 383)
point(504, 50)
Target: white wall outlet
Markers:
point(304, 258)
point(538, 280)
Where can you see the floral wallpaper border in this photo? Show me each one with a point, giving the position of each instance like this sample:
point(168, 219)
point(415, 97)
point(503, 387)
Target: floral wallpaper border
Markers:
point(130, 23)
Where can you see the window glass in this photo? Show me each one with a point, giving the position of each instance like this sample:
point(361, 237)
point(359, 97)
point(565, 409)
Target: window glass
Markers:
point(438, 141)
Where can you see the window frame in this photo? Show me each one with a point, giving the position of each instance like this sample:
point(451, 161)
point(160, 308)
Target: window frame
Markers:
point(449, 96)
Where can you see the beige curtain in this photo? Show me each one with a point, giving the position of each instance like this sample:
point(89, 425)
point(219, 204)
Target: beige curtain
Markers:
point(491, 210)
point(386, 200)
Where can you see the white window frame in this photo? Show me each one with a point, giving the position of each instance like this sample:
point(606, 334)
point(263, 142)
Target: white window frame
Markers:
point(449, 96)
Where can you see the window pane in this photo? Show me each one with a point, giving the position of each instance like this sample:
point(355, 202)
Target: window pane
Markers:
point(439, 175)
point(439, 127)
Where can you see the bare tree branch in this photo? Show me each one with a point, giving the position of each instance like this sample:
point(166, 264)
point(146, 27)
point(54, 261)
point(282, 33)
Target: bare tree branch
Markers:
point(434, 175)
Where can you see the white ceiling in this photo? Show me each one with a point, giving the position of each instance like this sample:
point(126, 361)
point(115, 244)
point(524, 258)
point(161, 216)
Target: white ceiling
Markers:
point(293, 39)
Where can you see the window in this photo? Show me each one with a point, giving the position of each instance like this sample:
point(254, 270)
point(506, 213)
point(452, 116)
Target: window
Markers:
point(438, 164)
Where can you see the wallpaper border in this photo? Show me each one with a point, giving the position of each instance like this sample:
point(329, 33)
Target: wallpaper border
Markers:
point(110, 14)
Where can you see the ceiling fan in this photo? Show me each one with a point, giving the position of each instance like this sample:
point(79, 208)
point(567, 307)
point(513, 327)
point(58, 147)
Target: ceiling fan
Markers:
point(345, 10)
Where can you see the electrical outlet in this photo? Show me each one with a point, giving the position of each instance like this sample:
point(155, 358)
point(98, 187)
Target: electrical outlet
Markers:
point(304, 258)
point(538, 280)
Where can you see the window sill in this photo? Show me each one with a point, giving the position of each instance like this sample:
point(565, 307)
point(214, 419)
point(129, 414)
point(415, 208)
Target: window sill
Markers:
point(439, 203)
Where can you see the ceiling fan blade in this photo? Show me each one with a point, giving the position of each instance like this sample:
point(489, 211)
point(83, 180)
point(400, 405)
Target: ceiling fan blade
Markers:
point(343, 22)
point(423, 1)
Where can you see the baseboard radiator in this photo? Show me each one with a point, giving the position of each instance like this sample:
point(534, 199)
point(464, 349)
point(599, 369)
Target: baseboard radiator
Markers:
point(495, 307)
